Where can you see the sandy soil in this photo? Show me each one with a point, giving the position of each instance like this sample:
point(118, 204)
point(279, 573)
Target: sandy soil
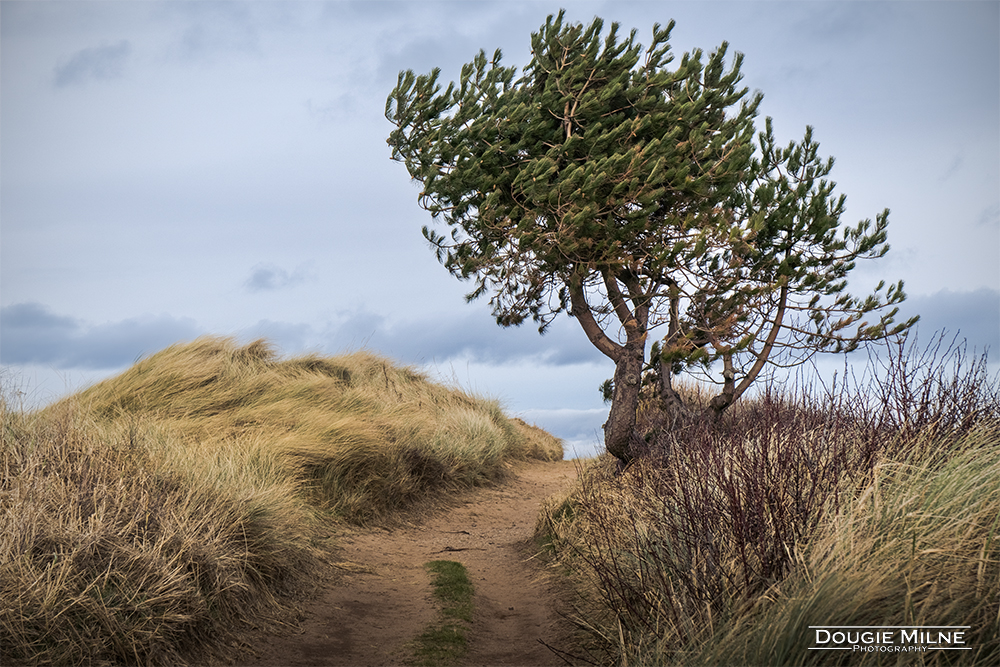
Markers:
point(381, 596)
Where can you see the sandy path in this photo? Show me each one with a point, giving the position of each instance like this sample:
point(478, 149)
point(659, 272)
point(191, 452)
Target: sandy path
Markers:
point(383, 599)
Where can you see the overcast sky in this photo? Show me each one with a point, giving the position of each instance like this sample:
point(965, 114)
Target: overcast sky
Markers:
point(169, 170)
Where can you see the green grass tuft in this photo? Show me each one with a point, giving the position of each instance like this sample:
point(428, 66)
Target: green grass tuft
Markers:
point(445, 641)
point(452, 588)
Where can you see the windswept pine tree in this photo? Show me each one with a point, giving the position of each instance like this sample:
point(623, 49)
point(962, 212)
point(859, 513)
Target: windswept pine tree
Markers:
point(633, 196)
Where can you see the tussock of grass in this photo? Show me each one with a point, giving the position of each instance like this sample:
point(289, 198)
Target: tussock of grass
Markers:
point(108, 555)
point(154, 516)
point(538, 444)
point(723, 544)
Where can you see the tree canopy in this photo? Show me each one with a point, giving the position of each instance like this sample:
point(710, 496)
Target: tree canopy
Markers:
point(636, 196)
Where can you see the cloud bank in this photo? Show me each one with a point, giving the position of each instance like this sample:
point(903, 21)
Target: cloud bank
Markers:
point(475, 337)
point(32, 334)
point(267, 277)
point(973, 316)
point(96, 63)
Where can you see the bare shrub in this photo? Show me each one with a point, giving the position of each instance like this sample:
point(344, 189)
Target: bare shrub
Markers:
point(678, 545)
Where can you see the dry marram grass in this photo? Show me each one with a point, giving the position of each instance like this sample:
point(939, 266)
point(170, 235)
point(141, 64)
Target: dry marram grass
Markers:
point(148, 519)
point(875, 507)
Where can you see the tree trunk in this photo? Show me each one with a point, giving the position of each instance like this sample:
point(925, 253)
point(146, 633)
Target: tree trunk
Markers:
point(671, 403)
point(629, 359)
point(619, 430)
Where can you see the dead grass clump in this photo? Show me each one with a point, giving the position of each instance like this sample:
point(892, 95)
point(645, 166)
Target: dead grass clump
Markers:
point(917, 546)
point(539, 444)
point(108, 557)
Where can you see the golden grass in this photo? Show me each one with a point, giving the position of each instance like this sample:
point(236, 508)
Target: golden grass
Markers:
point(913, 541)
point(153, 517)
point(918, 545)
point(108, 555)
point(367, 436)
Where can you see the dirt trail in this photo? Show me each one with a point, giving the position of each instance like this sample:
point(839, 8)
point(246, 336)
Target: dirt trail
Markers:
point(383, 599)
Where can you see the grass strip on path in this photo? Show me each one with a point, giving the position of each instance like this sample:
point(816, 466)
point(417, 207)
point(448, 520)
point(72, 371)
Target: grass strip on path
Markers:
point(444, 642)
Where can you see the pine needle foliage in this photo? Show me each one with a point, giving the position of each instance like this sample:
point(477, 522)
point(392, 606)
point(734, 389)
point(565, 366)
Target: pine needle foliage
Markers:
point(609, 182)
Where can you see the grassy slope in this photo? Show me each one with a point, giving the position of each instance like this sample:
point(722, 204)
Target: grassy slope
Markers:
point(146, 517)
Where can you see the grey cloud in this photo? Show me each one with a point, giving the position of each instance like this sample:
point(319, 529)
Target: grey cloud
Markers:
point(34, 316)
point(568, 423)
point(475, 337)
point(839, 23)
point(967, 319)
point(989, 216)
point(581, 431)
point(100, 63)
point(953, 167)
point(199, 41)
point(423, 55)
point(213, 28)
point(32, 334)
point(399, 8)
point(446, 35)
point(267, 277)
point(973, 315)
